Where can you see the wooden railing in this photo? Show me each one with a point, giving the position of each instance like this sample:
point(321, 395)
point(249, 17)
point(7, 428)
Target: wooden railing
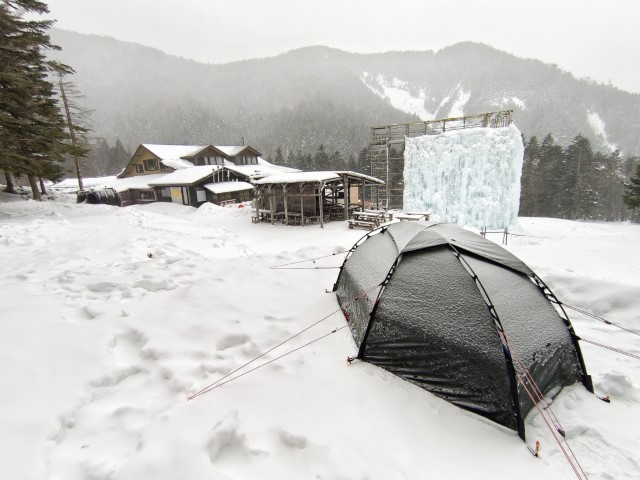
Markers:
point(390, 134)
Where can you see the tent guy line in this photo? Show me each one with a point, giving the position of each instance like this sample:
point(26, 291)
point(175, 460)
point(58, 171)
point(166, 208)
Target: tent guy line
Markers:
point(607, 322)
point(309, 260)
point(538, 399)
point(613, 349)
point(553, 434)
point(217, 382)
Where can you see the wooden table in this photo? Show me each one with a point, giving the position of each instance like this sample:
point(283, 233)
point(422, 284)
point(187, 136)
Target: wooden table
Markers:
point(387, 216)
point(408, 217)
point(424, 215)
point(368, 220)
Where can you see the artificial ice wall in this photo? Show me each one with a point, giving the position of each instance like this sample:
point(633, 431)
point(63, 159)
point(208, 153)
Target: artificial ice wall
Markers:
point(468, 177)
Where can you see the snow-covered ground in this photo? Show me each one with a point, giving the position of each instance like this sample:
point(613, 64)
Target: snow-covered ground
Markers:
point(112, 317)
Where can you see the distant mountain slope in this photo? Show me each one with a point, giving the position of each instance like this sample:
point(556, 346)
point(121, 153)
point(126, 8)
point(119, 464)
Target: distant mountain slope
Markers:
point(315, 95)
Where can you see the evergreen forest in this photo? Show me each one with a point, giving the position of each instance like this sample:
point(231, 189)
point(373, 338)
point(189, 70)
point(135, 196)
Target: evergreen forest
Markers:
point(575, 182)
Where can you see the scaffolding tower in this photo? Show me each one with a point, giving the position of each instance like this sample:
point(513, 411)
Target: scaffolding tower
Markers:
point(387, 144)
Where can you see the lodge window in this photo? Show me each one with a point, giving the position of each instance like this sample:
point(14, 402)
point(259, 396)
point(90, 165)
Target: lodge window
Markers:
point(200, 161)
point(163, 167)
point(151, 164)
point(139, 168)
point(144, 195)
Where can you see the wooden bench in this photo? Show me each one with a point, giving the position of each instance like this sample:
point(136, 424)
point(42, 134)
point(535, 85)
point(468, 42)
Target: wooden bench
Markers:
point(293, 218)
point(422, 215)
point(408, 217)
point(362, 223)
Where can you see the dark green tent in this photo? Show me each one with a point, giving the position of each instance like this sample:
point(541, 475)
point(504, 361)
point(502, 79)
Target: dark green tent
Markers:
point(459, 316)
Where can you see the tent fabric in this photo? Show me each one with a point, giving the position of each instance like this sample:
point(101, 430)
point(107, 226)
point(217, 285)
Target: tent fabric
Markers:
point(417, 297)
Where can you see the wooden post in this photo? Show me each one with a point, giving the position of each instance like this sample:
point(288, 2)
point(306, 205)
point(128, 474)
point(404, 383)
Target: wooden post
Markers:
point(285, 191)
point(345, 185)
point(271, 205)
point(301, 206)
point(257, 201)
point(320, 199)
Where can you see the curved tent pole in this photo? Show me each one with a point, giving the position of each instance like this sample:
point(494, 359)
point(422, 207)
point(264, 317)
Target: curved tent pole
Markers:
point(505, 347)
point(546, 291)
point(375, 306)
point(360, 241)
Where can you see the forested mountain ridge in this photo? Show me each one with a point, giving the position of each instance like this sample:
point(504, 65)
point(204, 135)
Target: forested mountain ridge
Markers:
point(318, 95)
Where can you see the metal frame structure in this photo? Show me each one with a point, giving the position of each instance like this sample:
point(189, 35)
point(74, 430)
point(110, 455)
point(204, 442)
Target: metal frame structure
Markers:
point(387, 144)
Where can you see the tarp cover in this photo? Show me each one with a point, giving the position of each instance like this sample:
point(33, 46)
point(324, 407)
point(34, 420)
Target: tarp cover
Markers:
point(432, 325)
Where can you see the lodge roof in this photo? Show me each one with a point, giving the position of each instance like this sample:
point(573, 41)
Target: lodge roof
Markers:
point(323, 176)
point(186, 176)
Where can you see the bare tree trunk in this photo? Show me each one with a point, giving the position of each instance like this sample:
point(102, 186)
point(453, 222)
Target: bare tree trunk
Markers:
point(34, 187)
point(10, 188)
point(71, 131)
point(42, 189)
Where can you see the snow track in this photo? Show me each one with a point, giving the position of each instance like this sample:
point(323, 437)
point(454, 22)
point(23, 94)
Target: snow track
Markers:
point(112, 317)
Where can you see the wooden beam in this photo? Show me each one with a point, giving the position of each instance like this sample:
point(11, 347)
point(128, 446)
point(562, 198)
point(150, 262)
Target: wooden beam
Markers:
point(321, 200)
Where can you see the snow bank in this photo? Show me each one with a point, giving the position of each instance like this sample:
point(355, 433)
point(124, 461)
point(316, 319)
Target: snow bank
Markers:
point(113, 316)
point(468, 177)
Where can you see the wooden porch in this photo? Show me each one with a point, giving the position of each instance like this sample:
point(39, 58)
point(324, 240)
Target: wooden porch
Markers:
point(307, 198)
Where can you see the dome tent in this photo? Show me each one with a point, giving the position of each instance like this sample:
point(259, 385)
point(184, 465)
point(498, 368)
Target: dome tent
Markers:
point(458, 316)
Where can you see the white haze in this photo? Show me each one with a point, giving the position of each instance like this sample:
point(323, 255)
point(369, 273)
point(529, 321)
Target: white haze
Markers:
point(587, 37)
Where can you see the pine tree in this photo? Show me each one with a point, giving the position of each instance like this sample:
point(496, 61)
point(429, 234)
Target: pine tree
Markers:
point(32, 132)
point(77, 123)
point(321, 159)
point(118, 158)
point(279, 159)
point(336, 162)
point(550, 165)
point(291, 160)
point(97, 162)
point(609, 186)
point(530, 194)
point(362, 164)
point(631, 194)
point(579, 179)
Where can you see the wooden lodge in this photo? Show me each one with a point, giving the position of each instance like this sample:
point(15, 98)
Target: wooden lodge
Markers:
point(195, 174)
point(310, 197)
point(192, 174)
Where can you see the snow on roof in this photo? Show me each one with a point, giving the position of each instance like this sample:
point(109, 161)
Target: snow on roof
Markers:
point(280, 168)
point(361, 175)
point(173, 152)
point(296, 177)
point(177, 163)
point(71, 184)
point(226, 187)
point(263, 169)
point(140, 182)
point(231, 150)
point(186, 176)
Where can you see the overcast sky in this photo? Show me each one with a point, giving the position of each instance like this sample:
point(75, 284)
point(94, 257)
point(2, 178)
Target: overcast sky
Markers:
point(598, 39)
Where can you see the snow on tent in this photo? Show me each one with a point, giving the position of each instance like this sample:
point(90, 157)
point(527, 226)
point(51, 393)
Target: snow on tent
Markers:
point(458, 316)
